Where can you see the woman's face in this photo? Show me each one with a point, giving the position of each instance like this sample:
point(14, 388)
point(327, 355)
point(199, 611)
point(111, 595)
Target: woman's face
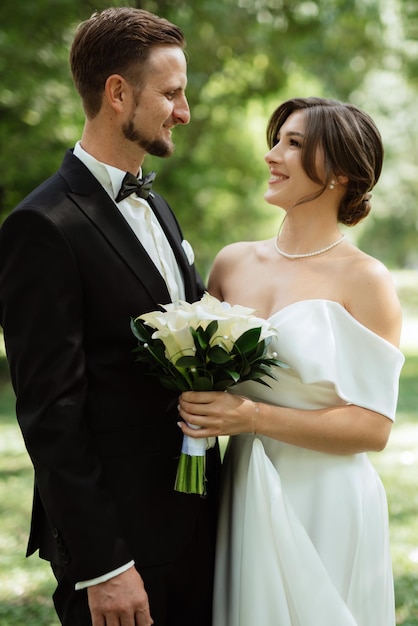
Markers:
point(288, 181)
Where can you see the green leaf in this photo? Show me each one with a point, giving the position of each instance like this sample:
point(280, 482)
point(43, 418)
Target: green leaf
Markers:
point(218, 355)
point(211, 329)
point(202, 383)
point(169, 383)
point(223, 384)
point(245, 368)
point(262, 382)
point(175, 383)
point(234, 375)
point(188, 362)
point(248, 340)
point(141, 332)
point(260, 350)
point(200, 340)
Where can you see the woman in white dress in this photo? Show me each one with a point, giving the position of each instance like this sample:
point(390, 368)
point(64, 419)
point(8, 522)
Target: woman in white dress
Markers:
point(303, 531)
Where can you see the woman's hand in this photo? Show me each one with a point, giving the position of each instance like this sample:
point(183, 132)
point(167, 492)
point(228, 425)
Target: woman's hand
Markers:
point(215, 413)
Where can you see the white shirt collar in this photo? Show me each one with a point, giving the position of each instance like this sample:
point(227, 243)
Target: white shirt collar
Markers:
point(108, 176)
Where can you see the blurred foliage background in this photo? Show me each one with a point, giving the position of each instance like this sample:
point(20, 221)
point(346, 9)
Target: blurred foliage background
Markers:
point(245, 57)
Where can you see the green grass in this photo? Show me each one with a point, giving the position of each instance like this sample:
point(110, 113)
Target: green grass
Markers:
point(397, 467)
point(26, 585)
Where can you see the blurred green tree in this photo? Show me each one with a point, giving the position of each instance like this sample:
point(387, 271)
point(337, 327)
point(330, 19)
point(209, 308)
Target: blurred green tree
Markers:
point(244, 57)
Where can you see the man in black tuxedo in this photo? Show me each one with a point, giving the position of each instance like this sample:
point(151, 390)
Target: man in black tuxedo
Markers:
point(78, 259)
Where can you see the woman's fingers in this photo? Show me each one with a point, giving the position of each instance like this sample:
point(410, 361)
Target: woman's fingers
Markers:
point(215, 413)
point(199, 433)
point(200, 397)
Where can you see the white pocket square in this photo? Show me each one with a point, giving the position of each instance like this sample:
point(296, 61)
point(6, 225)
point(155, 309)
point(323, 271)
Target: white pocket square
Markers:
point(188, 251)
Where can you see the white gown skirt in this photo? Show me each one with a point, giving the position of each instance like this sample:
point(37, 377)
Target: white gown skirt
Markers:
point(301, 540)
point(303, 535)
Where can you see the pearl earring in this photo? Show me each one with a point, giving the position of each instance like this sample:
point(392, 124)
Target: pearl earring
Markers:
point(332, 184)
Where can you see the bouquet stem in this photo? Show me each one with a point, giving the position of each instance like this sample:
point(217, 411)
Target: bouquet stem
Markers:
point(191, 474)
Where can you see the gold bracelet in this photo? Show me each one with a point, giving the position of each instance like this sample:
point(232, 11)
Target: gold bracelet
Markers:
point(256, 410)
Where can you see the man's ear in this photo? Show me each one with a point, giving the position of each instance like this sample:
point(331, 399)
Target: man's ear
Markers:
point(116, 92)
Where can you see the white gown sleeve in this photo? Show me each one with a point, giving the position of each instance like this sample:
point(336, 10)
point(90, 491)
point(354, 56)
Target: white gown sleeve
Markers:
point(363, 367)
point(338, 360)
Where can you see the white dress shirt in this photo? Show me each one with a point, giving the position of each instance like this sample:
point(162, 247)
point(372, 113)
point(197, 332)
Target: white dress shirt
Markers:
point(137, 212)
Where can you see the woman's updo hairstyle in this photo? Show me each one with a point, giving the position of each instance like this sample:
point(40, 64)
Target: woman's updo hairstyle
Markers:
point(351, 145)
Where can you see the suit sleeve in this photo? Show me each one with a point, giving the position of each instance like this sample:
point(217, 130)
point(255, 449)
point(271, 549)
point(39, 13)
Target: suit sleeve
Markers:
point(42, 312)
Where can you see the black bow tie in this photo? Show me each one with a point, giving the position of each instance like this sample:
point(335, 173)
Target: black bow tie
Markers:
point(132, 184)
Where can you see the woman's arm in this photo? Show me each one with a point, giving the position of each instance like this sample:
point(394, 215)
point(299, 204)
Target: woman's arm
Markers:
point(347, 429)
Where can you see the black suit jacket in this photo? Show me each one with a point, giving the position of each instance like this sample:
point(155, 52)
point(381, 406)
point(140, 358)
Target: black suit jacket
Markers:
point(102, 435)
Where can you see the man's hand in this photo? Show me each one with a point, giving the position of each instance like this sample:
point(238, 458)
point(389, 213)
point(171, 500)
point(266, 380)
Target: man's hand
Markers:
point(120, 601)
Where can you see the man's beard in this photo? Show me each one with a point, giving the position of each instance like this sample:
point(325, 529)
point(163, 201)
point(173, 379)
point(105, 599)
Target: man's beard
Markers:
point(156, 147)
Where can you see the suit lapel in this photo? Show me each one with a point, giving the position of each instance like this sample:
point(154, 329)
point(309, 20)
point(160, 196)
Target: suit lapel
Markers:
point(106, 217)
point(90, 197)
point(93, 201)
point(173, 233)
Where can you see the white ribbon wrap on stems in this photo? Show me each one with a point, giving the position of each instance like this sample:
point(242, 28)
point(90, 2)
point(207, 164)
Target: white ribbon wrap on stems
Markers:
point(196, 447)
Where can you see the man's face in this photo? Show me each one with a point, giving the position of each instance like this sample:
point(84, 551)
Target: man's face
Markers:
point(161, 103)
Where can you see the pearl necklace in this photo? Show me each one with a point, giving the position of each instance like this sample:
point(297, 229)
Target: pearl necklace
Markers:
point(307, 254)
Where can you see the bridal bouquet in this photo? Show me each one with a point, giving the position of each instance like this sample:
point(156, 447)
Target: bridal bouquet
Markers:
point(205, 346)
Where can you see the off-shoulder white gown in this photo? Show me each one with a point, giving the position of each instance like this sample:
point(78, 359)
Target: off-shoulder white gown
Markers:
point(303, 535)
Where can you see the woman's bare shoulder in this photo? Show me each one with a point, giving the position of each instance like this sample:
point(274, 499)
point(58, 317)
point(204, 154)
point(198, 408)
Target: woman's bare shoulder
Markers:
point(371, 296)
point(229, 265)
point(236, 250)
